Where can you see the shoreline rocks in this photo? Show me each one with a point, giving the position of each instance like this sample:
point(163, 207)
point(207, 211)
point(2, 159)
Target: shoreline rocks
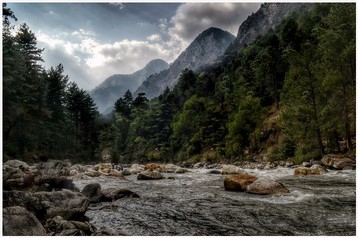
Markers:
point(313, 170)
point(149, 175)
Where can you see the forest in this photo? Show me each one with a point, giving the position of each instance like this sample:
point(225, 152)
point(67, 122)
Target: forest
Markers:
point(290, 94)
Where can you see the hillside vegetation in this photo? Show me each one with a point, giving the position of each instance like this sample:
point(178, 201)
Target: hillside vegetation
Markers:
point(289, 94)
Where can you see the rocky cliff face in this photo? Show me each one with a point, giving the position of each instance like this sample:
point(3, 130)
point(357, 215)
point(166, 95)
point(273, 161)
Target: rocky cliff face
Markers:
point(267, 17)
point(205, 49)
point(116, 85)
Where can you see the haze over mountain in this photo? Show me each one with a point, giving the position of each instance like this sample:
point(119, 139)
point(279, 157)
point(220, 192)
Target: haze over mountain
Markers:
point(205, 49)
point(116, 85)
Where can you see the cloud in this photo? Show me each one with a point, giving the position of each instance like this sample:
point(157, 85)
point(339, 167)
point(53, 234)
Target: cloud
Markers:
point(193, 18)
point(154, 37)
point(121, 6)
point(88, 61)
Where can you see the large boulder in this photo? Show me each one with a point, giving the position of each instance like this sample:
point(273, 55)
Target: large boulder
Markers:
point(338, 163)
point(313, 170)
point(112, 194)
point(231, 169)
point(18, 221)
point(17, 176)
point(93, 192)
point(149, 175)
point(152, 167)
point(65, 203)
point(238, 182)
point(266, 187)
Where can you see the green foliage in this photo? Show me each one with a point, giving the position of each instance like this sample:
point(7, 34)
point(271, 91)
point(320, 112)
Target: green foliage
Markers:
point(305, 70)
point(43, 114)
point(306, 153)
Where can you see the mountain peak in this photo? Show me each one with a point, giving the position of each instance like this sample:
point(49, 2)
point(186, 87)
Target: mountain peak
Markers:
point(205, 49)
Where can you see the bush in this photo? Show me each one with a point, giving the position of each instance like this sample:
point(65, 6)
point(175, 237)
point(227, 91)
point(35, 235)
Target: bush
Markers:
point(306, 153)
point(274, 153)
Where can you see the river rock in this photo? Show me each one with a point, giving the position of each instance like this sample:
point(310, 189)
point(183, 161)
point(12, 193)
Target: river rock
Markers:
point(337, 163)
point(198, 165)
point(152, 167)
point(55, 167)
point(92, 173)
point(17, 163)
point(231, 169)
point(60, 227)
point(112, 194)
point(289, 164)
point(56, 183)
point(93, 192)
point(149, 175)
point(136, 168)
point(18, 221)
point(180, 171)
point(313, 170)
point(17, 177)
point(63, 203)
point(238, 182)
point(266, 187)
point(306, 164)
point(214, 171)
point(117, 175)
point(169, 168)
point(105, 168)
point(126, 172)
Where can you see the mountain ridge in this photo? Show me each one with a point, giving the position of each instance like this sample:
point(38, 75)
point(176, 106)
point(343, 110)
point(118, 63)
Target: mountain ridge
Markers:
point(113, 87)
point(203, 50)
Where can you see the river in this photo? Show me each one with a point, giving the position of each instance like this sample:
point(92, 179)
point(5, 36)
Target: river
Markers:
point(195, 203)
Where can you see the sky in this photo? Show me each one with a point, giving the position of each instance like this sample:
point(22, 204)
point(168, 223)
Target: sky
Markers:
point(96, 40)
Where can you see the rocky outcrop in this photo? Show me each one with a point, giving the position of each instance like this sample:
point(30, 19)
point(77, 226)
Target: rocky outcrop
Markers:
point(238, 182)
point(205, 49)
point(55, 167)
point(335, 162)
point(267, 17)
point(18, 221)
point(266, 187)
point(149, 175)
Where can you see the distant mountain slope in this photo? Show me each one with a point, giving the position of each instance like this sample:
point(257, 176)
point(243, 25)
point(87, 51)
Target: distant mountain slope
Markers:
point(267, 17)
point(116, 85)
point(205, 49)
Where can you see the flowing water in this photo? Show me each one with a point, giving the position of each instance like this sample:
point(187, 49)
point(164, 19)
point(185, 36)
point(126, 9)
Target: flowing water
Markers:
point(195, 203)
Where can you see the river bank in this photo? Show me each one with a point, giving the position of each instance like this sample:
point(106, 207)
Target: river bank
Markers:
point(184, 201)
